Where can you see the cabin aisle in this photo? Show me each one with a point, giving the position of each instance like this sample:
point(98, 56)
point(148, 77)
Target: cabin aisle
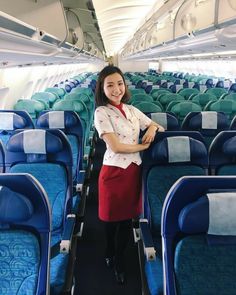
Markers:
point(92, 275)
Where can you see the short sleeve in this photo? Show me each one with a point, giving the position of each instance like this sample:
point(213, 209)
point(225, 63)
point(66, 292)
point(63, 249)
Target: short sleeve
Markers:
point(102, 121)
point(144, 120)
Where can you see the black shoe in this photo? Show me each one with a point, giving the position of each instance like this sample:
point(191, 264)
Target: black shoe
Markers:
point(120, 277)
point(109, 262)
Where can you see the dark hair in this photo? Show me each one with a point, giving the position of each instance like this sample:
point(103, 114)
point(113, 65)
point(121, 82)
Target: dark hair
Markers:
point(100, 97)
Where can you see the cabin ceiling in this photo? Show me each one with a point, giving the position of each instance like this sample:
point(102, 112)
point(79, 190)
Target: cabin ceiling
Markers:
point(119, 19)
point(109, 23)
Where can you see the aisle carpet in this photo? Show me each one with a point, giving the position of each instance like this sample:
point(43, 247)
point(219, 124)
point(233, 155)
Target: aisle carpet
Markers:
point(92, 275)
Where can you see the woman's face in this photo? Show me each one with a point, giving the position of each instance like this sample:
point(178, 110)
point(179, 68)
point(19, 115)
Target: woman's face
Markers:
point(114, 88)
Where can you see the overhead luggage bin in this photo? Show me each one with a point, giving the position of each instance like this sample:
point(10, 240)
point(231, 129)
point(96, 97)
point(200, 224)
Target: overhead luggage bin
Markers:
point(226, 12)
point(162, 31)
point(194, 16)
point(191, 27)
point(29, 34)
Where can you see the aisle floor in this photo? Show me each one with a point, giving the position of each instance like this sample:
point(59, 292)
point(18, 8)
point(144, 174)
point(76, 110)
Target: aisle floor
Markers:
point(92, 275)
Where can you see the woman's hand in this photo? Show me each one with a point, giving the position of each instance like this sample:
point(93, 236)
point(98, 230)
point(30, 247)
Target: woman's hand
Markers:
point(151, 132)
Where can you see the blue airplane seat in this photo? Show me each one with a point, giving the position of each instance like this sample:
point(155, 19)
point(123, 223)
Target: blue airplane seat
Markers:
point(209, 124)
point(70, 123)
point(168, 120)
point(189, 84)
point(176, 87)
point(220, 84)
point(11, 120)
point(222, 153)
point(233, 124)
point(202, 88)
point(198, 236)
point(172, 155)
point(24, 236)
point(2, 158)
point(46, 154)
point(232, 88)
point(148, 88)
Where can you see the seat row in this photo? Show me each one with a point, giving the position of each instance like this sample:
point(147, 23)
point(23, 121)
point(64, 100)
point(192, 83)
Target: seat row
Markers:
point(45, 156)
point(171, 81)
point(53, 155)
point(175, 103)
point(175, 154)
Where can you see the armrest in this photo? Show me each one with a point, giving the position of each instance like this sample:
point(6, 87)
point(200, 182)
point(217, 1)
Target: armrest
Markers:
point(80, 182)
point(65, 244)
point(148, 245)
point(86, 153)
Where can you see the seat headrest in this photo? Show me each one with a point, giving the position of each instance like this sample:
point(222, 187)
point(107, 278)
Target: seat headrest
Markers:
point(34, 141)
point(178, 149)
point(58, 119)
point(229, 147)
point(213, 213)
point(204, 120)
point(11, 121)
point(14, 207)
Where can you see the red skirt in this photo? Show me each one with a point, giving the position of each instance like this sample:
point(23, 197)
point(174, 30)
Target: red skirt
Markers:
point(119, 192)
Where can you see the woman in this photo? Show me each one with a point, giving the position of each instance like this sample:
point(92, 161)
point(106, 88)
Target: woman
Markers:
point(119, 124)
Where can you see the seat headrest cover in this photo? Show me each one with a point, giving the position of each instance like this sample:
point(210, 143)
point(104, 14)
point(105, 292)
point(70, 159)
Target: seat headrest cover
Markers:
point(222, 217)
point(6, 121)
point(229, 147)
point(209, 120)
point(34, 142)
point(178, 87)
point(178, 149)
point(14, 207)
point(56, 119)
point(160, 118)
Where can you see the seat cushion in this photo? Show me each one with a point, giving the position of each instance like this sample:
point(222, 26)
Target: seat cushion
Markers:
point(19, 262)
point(201, 268)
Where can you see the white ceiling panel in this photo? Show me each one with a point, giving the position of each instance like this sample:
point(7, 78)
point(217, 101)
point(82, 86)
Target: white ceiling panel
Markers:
point(118, 20)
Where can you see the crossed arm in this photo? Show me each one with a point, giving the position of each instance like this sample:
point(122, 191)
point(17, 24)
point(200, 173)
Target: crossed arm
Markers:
point(116, 146)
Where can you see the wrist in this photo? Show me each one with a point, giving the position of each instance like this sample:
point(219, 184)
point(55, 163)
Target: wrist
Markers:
point(156, 127)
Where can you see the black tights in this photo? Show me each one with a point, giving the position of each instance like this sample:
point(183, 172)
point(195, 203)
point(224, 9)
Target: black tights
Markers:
point(117, 238)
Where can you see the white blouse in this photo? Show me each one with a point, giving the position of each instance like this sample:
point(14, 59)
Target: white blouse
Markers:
point(109, 119)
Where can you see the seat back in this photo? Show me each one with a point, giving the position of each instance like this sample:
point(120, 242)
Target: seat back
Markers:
point(222, 154)
point(198, 236)
point(203, 99)
point(70, 123)
point(59, 92)
point(187, 92)
point(218, 92)
point(24, 236)
point(80, 108)
point(2, 158)
point(224, 105)
point(181, 109)
point(167, 98)
point(209, 124)
point(148, 107)
point(47, 97)
point(11, 120)
point(141, 98)
point(33, 107)
point(167, 120)
point(172, 155)
point(46, 154)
